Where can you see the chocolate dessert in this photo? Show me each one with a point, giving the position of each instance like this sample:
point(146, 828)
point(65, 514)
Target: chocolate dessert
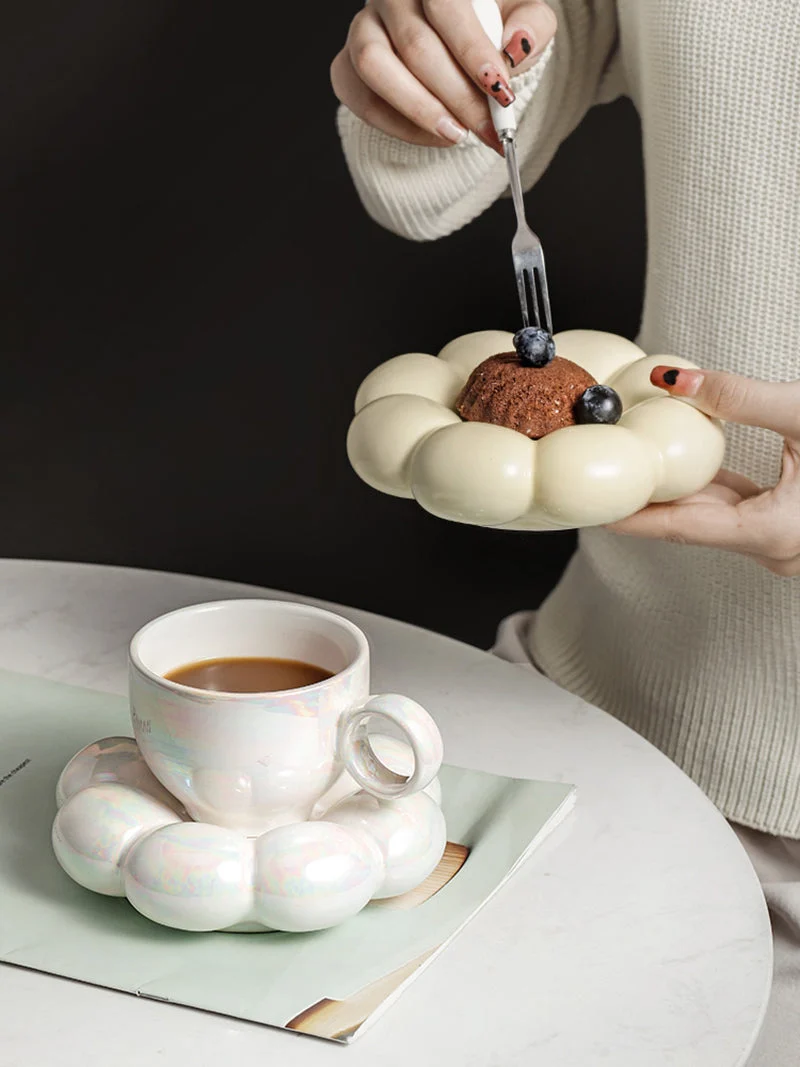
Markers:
point(534, 400)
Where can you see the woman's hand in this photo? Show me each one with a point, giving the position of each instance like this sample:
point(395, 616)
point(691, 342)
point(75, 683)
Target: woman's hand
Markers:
point(421, 70)
point(733, 513)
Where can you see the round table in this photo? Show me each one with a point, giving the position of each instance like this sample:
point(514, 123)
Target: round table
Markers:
point(637, 934)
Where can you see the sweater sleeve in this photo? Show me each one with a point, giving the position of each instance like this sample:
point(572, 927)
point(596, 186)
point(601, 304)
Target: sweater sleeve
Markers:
point(424, 193)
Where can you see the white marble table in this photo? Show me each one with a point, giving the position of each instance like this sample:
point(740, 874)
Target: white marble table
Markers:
point(637, 936)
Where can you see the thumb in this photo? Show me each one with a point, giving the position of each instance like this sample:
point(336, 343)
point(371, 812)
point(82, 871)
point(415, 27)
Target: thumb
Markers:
point(771, 405)
point(528, 28)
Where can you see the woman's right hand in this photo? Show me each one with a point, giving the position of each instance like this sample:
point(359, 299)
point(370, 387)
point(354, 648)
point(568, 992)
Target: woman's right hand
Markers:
point(422, 70)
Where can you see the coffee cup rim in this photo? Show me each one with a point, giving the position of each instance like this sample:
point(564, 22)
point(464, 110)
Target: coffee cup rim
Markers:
point(292, 606)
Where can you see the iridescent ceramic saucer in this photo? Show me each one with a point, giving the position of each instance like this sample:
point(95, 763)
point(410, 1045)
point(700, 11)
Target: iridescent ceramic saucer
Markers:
point(120, 833)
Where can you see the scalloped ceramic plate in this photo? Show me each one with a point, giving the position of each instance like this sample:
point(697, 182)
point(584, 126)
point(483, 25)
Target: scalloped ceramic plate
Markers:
point(120, 833)
point(407, 440)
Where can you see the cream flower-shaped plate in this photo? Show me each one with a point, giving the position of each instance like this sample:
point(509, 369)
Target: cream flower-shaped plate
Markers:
point(407, 440)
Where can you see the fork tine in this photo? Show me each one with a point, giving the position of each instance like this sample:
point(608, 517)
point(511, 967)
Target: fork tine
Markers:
point(523, 295)
point(546, 313)
point(530, 278)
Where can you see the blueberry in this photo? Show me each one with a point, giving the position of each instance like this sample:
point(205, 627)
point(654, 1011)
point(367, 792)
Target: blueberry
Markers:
point(599, 403)
point(534, 346)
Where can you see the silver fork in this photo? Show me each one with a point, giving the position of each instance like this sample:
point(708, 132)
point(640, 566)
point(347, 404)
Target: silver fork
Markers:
point(526, 248)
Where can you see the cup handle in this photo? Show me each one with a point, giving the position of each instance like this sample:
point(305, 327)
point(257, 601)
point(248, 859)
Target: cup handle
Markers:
point(420, 732)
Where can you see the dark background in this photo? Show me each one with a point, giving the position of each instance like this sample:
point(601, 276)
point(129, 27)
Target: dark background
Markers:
point(190, 294)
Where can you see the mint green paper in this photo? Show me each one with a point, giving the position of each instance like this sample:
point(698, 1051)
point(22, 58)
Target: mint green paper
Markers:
point(51, 924)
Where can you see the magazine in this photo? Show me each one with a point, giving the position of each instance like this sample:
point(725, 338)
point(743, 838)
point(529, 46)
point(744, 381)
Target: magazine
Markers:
point(331, 983)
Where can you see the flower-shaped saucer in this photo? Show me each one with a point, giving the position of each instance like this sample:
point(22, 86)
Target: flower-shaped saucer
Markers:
point(407, 440)
point(120, 833)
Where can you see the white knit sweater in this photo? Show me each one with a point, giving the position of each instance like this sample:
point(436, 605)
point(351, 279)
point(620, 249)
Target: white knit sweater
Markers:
point(696, 649)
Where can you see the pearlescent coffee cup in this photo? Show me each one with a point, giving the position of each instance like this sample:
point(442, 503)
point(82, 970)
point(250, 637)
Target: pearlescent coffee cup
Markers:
point(254, 761)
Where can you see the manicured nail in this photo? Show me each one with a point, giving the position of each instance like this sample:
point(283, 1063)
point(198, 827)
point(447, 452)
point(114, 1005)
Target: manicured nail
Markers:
point(488, 134)
point(496, 85)
point(518, 48)
point(450, 130)
point(680, 382)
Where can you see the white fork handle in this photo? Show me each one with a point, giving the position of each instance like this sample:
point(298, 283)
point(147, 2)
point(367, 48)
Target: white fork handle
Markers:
point(504, 118)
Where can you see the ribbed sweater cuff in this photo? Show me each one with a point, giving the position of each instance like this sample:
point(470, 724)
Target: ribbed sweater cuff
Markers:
point(425, 193)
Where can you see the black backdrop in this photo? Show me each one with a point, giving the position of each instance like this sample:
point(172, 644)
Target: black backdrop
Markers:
point(190, 294)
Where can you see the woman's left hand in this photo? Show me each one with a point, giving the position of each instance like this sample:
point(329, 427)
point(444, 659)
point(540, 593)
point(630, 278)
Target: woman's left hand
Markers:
point(733, 513)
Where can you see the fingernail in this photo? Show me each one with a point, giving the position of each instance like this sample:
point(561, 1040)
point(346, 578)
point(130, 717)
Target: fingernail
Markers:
point(680, 382)
point(450, 130)
point(488, 134)
point(496, 85)
point(518, 48)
